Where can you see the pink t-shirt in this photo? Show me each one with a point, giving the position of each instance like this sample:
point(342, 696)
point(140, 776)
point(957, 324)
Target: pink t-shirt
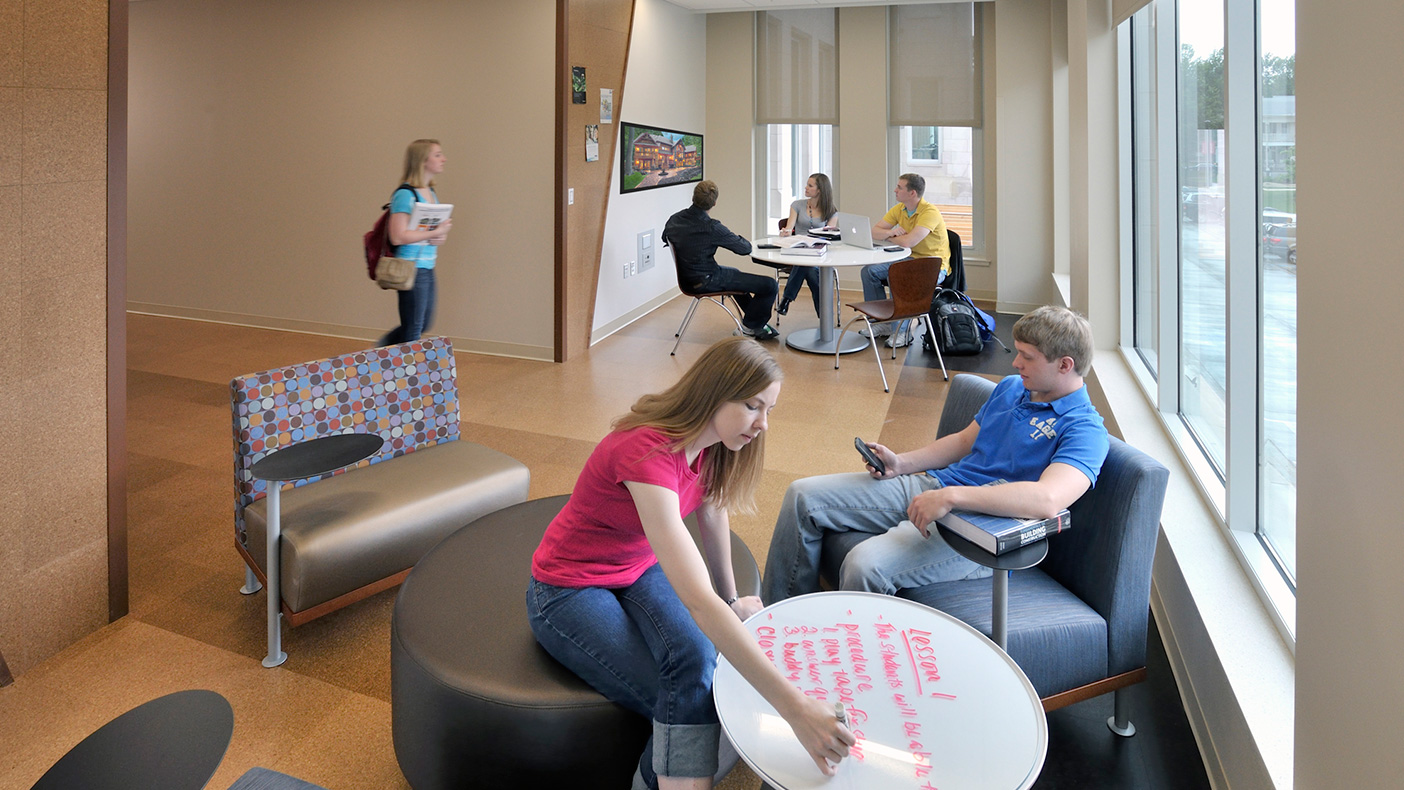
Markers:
point(597, 540)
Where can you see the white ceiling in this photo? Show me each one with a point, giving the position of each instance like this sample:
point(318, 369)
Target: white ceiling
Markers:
point(708, 6)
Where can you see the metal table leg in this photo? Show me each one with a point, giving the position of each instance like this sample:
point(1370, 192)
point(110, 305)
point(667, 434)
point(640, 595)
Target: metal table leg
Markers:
point(274, 574)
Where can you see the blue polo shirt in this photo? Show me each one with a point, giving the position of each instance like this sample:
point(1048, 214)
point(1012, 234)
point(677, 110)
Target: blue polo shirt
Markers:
point(1019, 438)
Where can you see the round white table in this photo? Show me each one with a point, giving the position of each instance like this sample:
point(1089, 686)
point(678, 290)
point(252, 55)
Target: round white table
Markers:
point(823, 339)
point(932, 701)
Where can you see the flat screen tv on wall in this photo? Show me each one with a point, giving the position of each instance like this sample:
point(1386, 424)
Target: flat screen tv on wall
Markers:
point(654, 157)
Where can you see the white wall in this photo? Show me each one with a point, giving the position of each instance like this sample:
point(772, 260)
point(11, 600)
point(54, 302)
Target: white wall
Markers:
point(666, 41)
point(265, 136)
point(1350, 636)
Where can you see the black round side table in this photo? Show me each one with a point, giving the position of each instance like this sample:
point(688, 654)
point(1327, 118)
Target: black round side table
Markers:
point(173, 742)
point(295, 462)
point(1016, 560)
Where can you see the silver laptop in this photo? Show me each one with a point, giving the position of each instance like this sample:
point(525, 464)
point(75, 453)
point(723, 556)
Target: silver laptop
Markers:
point(855, 230)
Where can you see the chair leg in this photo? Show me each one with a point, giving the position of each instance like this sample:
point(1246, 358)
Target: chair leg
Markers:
point(683, 326)
point(837, 320)
point(686, 317)
point(251, 582)
point(876, 353)
point(1120, 721)
point(734, 318)
point(931, 332)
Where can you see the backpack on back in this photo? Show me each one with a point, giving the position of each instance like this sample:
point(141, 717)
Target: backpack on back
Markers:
point(377, 240)
point(958, 325)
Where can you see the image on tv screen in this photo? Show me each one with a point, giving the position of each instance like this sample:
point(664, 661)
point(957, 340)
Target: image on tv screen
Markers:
point(654, 157)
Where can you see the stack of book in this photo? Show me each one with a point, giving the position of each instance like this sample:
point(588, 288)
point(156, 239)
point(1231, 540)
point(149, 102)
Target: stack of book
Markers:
point(812, 248)
point(1000, 534)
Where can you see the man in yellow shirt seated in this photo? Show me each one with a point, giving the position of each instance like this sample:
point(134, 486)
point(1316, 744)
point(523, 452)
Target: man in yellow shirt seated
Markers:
point(912, 223)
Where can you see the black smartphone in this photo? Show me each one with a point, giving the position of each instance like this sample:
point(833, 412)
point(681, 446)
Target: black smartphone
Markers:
point(768, 246)
point(869, 456)
point(892, 249)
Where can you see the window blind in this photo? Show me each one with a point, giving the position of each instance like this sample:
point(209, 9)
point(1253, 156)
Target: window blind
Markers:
point(797, 66)
point(934, 55)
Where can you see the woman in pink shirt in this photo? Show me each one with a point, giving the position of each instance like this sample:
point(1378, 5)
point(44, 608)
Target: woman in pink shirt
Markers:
point(619, 592)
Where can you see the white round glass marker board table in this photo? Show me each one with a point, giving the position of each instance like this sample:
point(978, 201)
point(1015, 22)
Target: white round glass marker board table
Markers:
point(932, 701)
point(823, 339)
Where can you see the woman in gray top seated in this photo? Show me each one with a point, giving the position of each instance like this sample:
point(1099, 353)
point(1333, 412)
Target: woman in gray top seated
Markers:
point(814, 210)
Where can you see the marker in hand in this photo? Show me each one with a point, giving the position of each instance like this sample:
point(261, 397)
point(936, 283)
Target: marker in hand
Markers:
point(840, 714)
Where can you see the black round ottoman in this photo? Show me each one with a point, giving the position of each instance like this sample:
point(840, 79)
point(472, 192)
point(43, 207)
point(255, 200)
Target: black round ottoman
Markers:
point(475, 701)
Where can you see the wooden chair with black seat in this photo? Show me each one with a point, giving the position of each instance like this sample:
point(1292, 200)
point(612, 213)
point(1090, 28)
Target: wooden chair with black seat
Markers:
point(913, 283)
point(716, 297)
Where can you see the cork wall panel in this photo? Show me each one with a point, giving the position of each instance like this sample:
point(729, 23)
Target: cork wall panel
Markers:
point(599, 41)
point(54, 324)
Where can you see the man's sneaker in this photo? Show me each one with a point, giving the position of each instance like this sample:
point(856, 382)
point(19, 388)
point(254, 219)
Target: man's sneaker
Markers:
point(903, 337)
point(766, 332)
point(879, 330)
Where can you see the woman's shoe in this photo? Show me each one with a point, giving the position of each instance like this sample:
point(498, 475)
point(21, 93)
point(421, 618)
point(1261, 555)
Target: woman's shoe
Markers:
point(784, 308)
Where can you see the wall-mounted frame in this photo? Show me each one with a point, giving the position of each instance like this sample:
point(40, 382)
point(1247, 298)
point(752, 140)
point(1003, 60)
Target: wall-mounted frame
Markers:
point(652, 157)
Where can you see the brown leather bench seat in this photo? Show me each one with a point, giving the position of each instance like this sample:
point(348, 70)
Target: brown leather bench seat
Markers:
point(363, 530)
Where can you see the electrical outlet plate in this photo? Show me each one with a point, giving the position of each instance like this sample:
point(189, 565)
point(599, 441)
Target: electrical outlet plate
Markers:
point(626, 271)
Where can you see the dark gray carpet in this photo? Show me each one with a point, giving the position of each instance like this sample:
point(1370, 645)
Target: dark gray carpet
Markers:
point(992, 360)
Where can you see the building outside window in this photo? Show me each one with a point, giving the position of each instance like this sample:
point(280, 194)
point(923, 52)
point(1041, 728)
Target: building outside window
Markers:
point(945, 157)
point(793, 153)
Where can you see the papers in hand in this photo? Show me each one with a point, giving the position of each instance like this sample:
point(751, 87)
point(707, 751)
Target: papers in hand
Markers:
point(813, 248)
point(429, 216)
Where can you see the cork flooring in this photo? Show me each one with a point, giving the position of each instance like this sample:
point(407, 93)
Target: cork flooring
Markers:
point(324, 716)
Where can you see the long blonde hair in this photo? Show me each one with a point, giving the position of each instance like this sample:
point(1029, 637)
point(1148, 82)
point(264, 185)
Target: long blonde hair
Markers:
point(734, 369)
point(415, 156)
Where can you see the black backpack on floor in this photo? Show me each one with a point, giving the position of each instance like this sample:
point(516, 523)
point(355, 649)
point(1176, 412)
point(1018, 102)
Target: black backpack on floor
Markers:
point(956, 323)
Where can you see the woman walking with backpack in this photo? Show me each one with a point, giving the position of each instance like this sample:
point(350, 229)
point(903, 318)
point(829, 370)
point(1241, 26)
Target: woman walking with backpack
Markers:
point(424, 159)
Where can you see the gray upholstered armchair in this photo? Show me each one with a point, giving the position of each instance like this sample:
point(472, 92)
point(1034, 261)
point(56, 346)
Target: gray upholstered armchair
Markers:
point(1077, 622)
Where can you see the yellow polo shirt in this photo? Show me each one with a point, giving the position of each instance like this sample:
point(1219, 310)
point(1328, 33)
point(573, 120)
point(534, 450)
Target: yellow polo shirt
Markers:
point(936, 244)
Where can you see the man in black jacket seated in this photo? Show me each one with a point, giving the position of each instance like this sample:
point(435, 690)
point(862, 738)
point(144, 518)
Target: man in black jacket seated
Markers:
point(695, 237)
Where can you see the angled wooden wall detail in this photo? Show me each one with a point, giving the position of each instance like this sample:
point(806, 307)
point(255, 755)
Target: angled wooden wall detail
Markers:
point(597, 37)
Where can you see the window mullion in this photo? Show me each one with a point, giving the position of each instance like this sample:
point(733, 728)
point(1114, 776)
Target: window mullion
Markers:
point(1241, 256)
point(1167, 207)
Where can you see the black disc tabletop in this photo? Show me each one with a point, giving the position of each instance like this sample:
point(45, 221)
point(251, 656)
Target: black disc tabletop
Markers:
point(173, 742)
point(316, 456)
point(1016, 560)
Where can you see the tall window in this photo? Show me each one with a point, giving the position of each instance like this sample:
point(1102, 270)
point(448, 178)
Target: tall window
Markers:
point(796, 105)
point(1277, 199)
point(793, 153)
point(945, 157)
point(1203, 376)
point(1213, 296)
point(1145, 274)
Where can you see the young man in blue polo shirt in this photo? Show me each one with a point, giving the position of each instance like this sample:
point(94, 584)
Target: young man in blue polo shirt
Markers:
point(1038, 431)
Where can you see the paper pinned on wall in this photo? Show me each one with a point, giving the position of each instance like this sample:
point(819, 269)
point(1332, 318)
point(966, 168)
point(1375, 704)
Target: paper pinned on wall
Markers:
point(606, 105)
point(592, 142)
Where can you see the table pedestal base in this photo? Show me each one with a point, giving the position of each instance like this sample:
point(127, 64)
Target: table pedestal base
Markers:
point(810, 340)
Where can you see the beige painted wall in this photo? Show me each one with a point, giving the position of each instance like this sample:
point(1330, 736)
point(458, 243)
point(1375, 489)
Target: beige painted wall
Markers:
point(1024, 185)
point(265, 136)
point(730, 137)
point(53, 325)
point(1350, 700)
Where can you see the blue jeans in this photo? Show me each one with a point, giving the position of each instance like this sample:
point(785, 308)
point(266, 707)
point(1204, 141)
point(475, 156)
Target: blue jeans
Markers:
point(416, 309)
point(896, 557)
point(639, 647)
point(800, 275)
point(755, 307)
